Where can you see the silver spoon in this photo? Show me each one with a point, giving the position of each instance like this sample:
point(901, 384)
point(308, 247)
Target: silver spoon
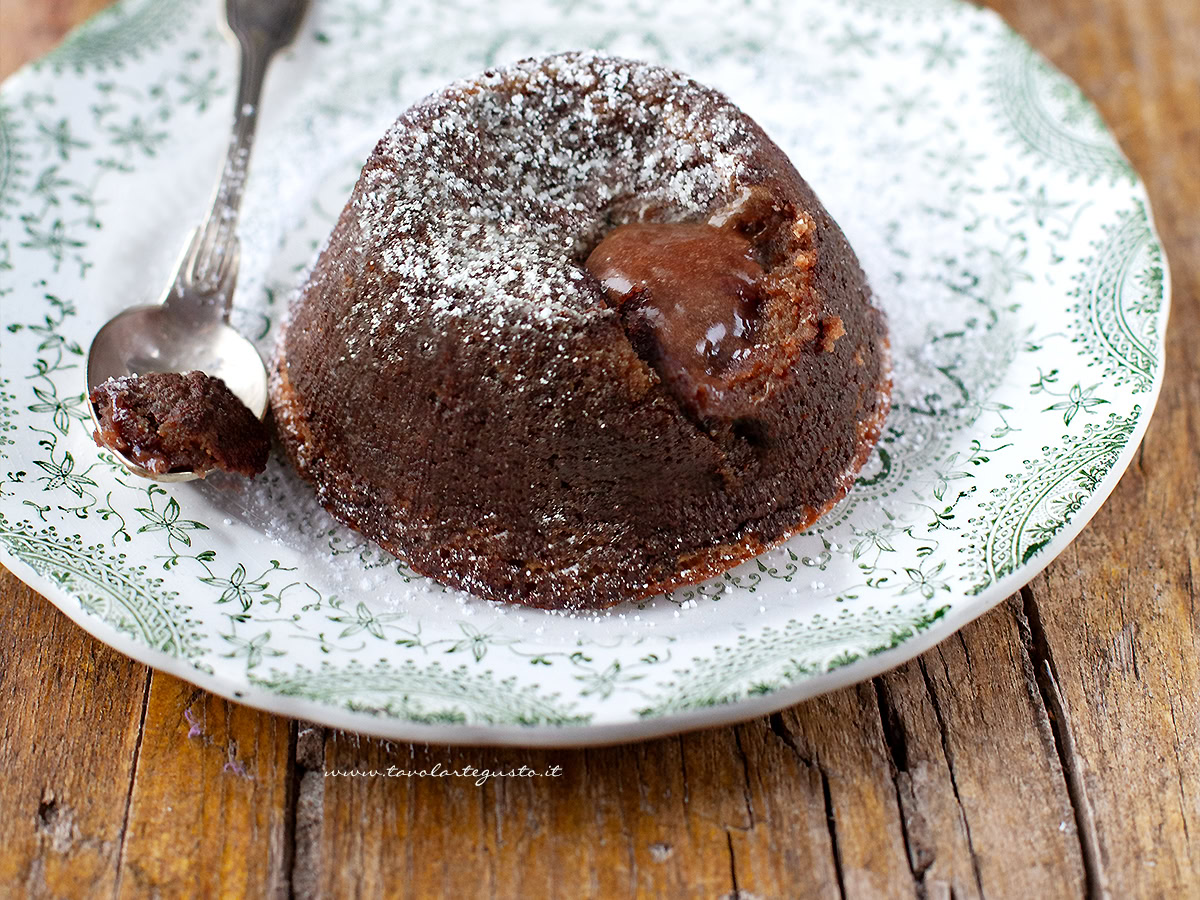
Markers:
point(189, 327)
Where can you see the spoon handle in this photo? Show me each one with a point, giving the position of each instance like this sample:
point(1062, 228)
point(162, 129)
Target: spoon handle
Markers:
point(204, 285)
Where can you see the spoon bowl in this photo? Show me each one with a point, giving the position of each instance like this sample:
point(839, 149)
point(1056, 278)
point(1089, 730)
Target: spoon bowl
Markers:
point(189, 328)
point(145, 339)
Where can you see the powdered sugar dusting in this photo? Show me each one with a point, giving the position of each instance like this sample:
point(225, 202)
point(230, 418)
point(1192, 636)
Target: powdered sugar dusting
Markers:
point(482, 199)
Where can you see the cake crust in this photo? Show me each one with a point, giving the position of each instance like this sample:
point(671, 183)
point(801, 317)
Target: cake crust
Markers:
point(454, 384)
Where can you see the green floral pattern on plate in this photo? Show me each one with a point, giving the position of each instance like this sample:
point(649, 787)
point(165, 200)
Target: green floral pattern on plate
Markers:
point(1120, 296)
point(1050, 117)
point(107, 586)
point(998, 222)
point(429, 695)
point(120, 34)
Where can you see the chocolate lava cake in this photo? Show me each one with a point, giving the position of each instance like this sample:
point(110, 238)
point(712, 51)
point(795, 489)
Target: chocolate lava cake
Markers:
point(581, 334)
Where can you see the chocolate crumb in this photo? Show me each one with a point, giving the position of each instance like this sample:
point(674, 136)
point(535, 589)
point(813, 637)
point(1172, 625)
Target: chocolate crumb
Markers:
point(832, 328)
point(172, 422)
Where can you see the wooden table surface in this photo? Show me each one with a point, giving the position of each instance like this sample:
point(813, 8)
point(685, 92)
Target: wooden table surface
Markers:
point(1051, 748)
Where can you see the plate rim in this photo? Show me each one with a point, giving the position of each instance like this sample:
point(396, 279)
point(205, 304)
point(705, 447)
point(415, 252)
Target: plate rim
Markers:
point(591, 734)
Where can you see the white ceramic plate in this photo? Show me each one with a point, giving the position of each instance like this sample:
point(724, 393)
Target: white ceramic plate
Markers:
point(1001, 228)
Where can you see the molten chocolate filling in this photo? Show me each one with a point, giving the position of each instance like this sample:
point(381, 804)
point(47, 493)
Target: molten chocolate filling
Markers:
point(689, 297)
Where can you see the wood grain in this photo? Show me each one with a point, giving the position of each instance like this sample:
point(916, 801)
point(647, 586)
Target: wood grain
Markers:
point(71, 724)
point(968, 725)
point(1048, 750)
point(1114, 618)
point(209, 809)
point(29, 28)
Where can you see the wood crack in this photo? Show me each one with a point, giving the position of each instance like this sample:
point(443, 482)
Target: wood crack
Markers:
point(308, 778)
point(831, 824)
point(1033, 635)
point(137, 750)
point(966, 650)
point(781, 731)
point(289, 814)
point(630, 834)
point(747, 794)
point(779, 727)
point(920, 856)
point(735, 892)
point(948, 754)
point(1191, 589)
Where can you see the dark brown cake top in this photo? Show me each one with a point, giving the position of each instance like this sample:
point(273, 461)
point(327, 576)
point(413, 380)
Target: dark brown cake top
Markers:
point(171, 422)
point(482, 202)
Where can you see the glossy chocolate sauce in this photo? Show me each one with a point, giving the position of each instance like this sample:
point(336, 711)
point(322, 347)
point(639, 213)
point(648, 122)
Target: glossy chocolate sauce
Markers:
point(689, 297)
